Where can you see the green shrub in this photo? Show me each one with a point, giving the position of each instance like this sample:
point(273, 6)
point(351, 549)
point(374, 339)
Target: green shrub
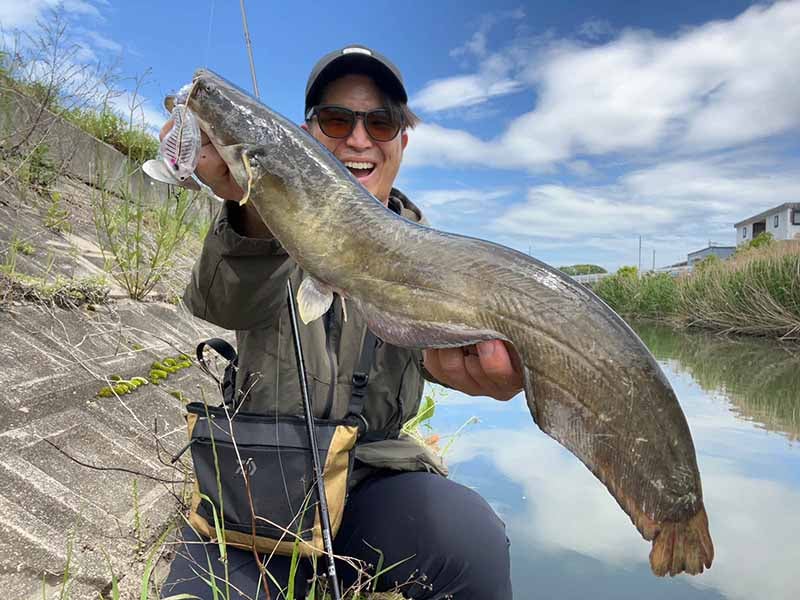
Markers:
point(582, 269)
point(620, 290)
point(37, 170)
point(140, 243)
point(657, 295)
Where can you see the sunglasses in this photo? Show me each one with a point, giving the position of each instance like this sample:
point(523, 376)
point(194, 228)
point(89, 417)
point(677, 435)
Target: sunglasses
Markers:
point(339, 122)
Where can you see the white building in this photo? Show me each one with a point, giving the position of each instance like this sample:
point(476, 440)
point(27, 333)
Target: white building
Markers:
point(783, 222)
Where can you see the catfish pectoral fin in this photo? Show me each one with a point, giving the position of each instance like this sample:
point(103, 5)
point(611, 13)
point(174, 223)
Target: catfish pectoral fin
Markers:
point(314, 298)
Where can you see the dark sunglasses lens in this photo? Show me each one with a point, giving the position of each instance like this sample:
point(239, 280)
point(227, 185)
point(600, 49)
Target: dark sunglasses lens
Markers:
point(335, 122)
point(381, 126)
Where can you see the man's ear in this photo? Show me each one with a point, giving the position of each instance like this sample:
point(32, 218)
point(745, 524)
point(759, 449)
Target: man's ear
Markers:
point(404, 139)
point(304, 125)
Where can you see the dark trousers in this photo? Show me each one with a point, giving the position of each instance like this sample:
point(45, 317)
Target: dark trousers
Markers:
point(447, 539)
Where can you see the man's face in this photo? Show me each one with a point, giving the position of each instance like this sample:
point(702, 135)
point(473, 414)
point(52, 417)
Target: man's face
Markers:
point(359, 92)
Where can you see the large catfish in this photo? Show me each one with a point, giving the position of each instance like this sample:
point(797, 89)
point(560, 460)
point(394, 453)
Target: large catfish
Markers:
point(590, 383)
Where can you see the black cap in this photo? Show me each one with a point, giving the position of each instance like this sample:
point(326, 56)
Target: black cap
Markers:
point(355, 59)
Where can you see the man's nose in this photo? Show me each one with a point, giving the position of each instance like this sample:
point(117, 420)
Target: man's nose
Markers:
point(359, 138)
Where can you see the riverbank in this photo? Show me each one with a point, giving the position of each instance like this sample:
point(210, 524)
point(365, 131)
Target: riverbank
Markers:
point(755, 292)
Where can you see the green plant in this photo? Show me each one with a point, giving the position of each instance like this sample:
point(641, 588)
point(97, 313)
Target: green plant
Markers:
point(57, 217)
point(584, 269)
point(37, 170)
point(61, 292)
point(107, 126)
point(762, 240)
point(619, 290)
point(139, 242)
point(21, 246)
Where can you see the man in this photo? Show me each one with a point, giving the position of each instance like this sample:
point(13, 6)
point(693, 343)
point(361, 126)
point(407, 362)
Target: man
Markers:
point(448, 541)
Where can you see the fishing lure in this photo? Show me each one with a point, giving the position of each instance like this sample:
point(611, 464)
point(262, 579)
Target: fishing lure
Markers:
point(179, 151)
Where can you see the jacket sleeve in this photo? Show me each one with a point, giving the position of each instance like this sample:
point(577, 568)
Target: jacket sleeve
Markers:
point(237, 282)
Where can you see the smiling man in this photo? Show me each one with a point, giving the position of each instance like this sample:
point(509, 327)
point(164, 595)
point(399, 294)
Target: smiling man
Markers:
point(447, 540)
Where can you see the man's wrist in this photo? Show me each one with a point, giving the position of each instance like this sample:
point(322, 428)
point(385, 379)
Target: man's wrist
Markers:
point(246, 222)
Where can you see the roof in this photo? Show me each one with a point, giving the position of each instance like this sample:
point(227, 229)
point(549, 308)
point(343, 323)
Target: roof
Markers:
point(713, 247)
point(766, 213)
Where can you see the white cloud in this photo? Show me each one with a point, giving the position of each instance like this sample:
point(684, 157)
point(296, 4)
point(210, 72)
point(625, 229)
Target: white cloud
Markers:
point(725, 190)
point(102, 42)
point(753, 521)
point(595, 29)
point(553, 211)
point(466, 198)
point(436, 145)
point(713, 86)
point(494, 77)
point(21, 14)
point(143, 113)
point(466, 90)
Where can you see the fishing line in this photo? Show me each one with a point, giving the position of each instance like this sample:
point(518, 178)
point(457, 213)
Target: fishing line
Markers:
point(208, 35)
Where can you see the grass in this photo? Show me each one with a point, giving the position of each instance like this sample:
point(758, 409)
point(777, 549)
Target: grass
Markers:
point(755, 292)
point(106, 125)
point(140, 243)
point(62, 292)
point(98, 120)
point(57, 217)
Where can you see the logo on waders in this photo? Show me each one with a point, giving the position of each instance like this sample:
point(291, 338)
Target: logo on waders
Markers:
point(249, 465)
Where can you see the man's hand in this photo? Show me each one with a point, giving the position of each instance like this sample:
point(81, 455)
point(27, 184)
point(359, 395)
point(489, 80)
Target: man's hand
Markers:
point(211, 169)
point(484, 369)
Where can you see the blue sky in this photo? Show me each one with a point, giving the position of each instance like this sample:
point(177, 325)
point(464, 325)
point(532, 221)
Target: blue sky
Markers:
point(567, 129)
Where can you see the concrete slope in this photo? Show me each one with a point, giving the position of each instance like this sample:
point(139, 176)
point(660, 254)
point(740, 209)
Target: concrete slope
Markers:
point(85, 481)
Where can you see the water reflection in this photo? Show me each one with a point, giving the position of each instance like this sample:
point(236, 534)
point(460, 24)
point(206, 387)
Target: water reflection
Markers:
point(569, 537)
point(761, 378)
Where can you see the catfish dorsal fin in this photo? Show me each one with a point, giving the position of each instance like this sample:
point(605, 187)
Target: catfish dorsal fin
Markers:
point(314, 298)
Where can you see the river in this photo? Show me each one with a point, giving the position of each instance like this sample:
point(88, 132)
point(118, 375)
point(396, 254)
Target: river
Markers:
point(569, 538)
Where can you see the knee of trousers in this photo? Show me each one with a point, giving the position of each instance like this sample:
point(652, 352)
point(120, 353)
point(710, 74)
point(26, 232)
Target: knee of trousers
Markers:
point(468, 546)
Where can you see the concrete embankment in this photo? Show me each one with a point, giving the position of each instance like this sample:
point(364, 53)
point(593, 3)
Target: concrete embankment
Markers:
point(85, 481)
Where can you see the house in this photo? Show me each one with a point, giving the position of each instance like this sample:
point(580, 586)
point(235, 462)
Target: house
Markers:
point(712, 249)
point(783, 222)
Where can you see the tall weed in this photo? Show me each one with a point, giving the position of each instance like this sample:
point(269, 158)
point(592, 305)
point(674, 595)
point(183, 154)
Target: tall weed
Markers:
point(140, 243)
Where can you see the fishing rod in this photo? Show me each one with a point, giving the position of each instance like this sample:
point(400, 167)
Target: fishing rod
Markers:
point(249, 48)
point(322, 501)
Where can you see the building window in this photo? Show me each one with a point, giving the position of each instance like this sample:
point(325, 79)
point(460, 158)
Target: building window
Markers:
point(744, 232)
point(796, 217)
point(775, 221)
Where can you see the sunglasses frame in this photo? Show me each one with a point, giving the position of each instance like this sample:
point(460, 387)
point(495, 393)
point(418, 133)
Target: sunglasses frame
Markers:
point(314, 111)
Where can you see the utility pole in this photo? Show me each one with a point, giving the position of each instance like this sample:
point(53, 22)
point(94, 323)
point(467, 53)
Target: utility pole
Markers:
point(654, 259)
point(639, 268)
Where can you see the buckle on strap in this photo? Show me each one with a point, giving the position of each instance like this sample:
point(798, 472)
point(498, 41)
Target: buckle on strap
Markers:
point(360, 382)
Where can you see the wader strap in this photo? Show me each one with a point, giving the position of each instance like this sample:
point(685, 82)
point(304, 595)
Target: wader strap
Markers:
point(226, 351)
point(361, 378)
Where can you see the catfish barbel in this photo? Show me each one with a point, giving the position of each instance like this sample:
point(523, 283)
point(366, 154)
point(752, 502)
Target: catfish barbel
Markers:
point(590, 383)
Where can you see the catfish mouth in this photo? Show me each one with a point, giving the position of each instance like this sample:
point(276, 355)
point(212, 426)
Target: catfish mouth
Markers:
point(209, 106)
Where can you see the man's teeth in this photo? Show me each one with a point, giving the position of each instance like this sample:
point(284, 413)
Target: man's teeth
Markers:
point(359, 165)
